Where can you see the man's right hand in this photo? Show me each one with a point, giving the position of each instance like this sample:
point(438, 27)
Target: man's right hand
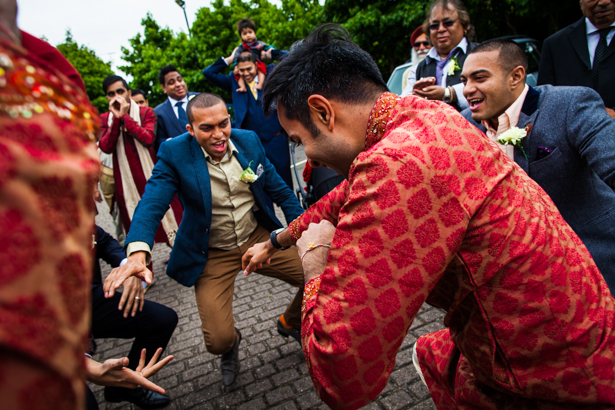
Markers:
point(229, 60)
point(258, 254)
point(134, 267)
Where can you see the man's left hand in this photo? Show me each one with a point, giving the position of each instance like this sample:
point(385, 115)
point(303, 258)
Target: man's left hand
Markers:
point(315, 261)
point(133, 296)
point(433, 92)
point(124, 105)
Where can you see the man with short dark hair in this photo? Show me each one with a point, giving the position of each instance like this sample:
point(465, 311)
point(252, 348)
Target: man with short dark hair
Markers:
point(248, 107)
point(222, 177)
point(171, 114)
point(432, 211)
point(583, 54)
point(127, 132)
point(569, 148)
point(139, 97)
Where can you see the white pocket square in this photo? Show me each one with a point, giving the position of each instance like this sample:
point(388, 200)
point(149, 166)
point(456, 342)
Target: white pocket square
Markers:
point(260, 170)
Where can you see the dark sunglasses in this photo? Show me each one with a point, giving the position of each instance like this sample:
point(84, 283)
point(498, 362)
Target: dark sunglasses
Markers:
point(445, 24)
point(421, 43)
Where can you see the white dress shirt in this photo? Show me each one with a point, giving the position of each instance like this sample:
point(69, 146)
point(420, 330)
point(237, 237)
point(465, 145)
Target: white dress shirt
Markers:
point(433, 54)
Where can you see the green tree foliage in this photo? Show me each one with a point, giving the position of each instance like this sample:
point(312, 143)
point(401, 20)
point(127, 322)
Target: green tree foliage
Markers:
point(382, 27)
point(92, 69)
point(213, 35)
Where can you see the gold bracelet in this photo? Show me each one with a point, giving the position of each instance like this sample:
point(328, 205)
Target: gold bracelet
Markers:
point(311, 247)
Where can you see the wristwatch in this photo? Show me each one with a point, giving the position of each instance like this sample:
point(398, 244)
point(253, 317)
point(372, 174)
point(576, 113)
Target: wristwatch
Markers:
point(274, 240)
point(448, 95)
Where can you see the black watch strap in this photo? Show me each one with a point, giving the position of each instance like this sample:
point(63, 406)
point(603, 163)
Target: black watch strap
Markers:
point(274, 240)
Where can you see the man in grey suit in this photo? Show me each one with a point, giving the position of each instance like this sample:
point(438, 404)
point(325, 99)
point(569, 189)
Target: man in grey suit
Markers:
point(569, 149)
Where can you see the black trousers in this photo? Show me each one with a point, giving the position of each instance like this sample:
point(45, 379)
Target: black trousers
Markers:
point(152, 328)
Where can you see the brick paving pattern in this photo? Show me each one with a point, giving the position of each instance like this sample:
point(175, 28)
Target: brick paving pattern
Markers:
point(273, 371)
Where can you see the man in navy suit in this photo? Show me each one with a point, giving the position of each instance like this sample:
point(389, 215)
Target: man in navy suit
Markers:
point(248, 106)
point(225, 213)
point(569, 149)
point(128, 315)
point(171, 114)
point(583, 54)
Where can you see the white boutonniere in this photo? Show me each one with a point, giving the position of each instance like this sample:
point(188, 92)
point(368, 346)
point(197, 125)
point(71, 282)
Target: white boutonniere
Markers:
point(248, 176)
point(191, 97)
point(514, 136)
point(452, 66)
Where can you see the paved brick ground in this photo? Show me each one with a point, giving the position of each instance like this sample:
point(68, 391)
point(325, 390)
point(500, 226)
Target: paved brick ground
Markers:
point(273, 371)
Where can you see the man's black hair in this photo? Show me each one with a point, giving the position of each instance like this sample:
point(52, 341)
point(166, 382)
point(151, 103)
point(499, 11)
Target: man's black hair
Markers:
point(164, 71)
point(328, 63)
point(245, 56)
point(110, 79)
point(244, 24)
point(511, 54)
point(138, 91)
point(202, 100)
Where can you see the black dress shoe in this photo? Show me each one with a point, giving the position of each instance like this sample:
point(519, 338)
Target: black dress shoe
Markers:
point(146, 399)
point(229, 363)
point(292, 332)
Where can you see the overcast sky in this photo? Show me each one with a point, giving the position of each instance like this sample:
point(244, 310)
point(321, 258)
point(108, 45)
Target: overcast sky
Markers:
point(102, 25)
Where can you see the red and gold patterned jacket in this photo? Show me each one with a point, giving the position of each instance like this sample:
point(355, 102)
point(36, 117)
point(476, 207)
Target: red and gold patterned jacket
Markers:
point(48, 170)
point(435, 212)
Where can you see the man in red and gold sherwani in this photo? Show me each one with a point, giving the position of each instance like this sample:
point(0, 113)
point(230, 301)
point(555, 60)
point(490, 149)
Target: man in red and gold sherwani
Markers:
point(432, 211)
point(48, 171)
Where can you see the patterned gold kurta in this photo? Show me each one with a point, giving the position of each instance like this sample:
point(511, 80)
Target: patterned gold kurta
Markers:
point(435, 212)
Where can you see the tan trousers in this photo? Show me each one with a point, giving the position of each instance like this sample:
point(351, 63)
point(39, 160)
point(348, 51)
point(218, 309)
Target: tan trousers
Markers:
point(214, 290)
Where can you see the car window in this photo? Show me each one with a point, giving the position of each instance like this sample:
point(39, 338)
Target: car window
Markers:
point(395, 80)
point(533, 56)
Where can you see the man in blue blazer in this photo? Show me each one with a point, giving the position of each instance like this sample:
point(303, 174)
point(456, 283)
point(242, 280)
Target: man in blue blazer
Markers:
point(171, 114)
point(222, 178)
point(569, 149)
point(248, 106)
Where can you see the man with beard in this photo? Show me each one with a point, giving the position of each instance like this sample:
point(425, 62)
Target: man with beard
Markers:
point(420, 48)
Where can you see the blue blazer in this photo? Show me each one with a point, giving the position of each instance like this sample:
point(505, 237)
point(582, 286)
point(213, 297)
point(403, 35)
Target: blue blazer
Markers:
point(182, 169)
point(272, 126)
point(579, 172)
point(167, 125)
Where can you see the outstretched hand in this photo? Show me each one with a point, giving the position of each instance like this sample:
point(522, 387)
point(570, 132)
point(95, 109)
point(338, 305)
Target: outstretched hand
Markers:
point(258, 254)
point(113, 372)
point(134, 267)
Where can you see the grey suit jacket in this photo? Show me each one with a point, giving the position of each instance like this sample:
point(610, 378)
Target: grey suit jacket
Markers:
point(571, 155)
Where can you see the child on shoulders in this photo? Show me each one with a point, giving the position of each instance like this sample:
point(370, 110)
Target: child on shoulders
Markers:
point(249, 43)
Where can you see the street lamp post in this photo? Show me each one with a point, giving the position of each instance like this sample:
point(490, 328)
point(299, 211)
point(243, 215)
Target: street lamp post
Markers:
point(182, 4)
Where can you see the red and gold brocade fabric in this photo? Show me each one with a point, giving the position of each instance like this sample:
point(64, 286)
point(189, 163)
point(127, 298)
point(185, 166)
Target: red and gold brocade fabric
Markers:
point(48, 170)
point(435, 212)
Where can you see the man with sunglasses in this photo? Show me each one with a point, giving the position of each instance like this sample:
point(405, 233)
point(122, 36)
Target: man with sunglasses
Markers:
point(450, 32)
point(420, 49)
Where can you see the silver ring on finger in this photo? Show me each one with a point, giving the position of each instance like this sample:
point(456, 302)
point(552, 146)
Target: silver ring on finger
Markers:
point(136, 297)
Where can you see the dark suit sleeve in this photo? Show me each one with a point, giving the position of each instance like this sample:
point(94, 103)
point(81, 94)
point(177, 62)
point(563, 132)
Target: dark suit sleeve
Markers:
point(278, 55)
point(161, 131)
point(108, 249)
point(592, 132)
point(212, 74)
point(546, 73)
point(159, 192)
point(278, 191)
